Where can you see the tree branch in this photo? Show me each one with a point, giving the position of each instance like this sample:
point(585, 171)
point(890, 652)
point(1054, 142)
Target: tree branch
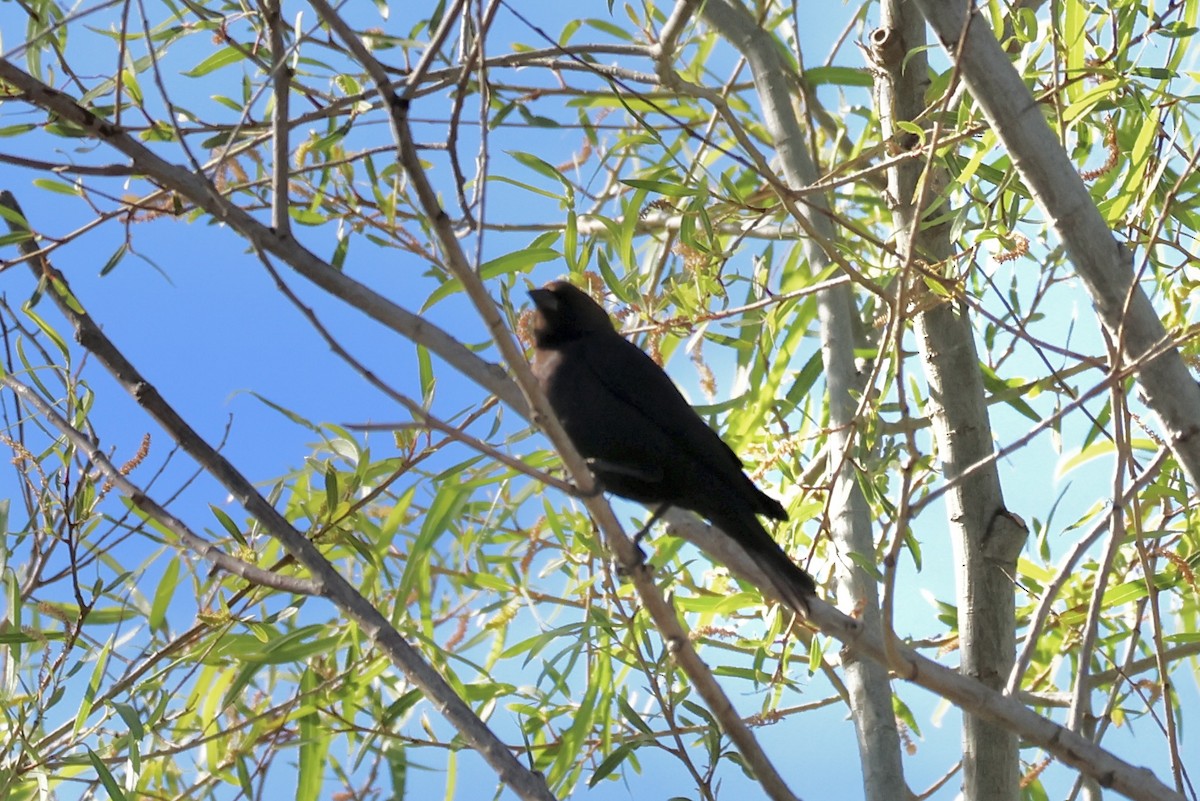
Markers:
point(971, 696)
point(1104, 265)
point(205, 195)
point(91, 450)
point(326, 581)
point(665, 618)
point(849, 517)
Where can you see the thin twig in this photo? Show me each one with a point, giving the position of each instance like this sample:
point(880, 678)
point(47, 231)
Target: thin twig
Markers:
point(201, 546)
point(280, 125)
point(1066, 571)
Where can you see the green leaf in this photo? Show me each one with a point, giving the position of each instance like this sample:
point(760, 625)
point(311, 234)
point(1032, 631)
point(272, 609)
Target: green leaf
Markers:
point(816, 654)
point(307, 216)
point(106, 778)
point(115, 259)
point(314, 744)
point(57, 186)
point(397, 765)
point(243, 776)
point(93, 687)
point(445, 508)
point(615, 31)
point(1074, 36)
point(17, 130)
point(227, 523)
point(838, 76)
point(46, 329)
point(595, 697)
point(1006, 391)
point(397, 514)
point(295, 646)
point(1086, 101)
point(425, 373)
point(289, 414)
point(1156, 73)
point(164, 595)
point(130, 82)
point(543, 167)
point(1144, 149)
point(1096, 450)
point(518, 261)
point(568, 30)
point(664, 188)
point(222, 58)
point(132, 721)
point(1176, 30)
point(331, 489)
point(610, 763)
point(571, 241)
point(631, 715)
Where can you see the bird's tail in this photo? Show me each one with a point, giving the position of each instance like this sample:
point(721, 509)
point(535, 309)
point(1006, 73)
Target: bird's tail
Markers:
point(791, 584)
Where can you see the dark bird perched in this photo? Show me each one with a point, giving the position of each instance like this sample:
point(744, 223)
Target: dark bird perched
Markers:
point(641, 438)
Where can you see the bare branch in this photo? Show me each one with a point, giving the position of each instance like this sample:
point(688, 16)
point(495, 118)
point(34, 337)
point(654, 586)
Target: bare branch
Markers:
point(280, 124)
point(970, 695)
point(201, 546)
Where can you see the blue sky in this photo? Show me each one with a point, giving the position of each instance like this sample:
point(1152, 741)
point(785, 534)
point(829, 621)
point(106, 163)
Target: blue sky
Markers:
point(198, 314)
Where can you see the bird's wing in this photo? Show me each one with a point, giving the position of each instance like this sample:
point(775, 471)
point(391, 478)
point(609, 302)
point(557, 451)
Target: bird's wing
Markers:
point(636, 381)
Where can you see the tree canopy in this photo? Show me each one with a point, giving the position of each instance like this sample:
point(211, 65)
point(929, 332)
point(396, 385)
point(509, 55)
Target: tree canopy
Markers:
point(286, 509)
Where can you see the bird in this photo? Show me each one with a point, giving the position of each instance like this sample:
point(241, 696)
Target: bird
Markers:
point(642, 439)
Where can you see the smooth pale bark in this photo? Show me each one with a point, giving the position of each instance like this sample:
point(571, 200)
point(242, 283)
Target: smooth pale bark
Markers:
point(984, 539)
point(1104, 266)
point(849, 517)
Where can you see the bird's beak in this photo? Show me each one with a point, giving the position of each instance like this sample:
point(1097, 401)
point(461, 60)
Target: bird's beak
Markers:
point(544, 299)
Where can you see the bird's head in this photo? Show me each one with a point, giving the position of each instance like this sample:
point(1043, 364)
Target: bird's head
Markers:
point(565, 313)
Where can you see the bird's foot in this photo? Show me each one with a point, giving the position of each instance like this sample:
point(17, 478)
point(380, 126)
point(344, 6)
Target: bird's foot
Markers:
point(644, 530)
point(626, 569)
point(637, 540)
